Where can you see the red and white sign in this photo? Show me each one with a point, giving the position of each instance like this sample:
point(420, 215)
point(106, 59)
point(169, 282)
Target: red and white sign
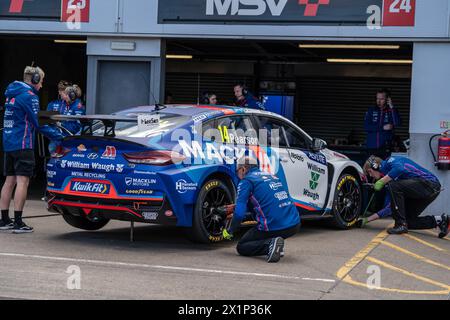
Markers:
point(75, 10)
point(109, 153)
point(399, 13)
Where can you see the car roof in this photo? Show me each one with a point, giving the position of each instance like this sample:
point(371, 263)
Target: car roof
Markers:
point(197, 111)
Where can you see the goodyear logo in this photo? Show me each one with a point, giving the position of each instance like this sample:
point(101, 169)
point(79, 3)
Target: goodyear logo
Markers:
point(90, 187)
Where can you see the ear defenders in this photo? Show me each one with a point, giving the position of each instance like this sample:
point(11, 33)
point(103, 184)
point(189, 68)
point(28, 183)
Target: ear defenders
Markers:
point(72, 94)
point(373, 163)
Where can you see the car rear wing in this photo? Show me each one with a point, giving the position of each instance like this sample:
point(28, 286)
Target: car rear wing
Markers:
point(87, 122)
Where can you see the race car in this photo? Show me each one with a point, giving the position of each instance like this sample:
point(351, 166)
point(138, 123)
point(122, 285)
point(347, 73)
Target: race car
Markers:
point(176, 165)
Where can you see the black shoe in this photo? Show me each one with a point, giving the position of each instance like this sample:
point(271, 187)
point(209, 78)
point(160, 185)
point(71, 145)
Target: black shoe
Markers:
point(22, 228)
point(398, 229)
point(444, 226)
point(275, 249)
point(8, 225)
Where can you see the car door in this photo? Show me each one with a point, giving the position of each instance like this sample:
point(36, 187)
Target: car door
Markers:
point(305, 171)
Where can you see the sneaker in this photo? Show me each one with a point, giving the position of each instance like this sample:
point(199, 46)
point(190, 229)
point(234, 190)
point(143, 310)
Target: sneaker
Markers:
point(23, 228)
point(398, 229)
point(9, 225)
point(444, 226)
point(275, 249)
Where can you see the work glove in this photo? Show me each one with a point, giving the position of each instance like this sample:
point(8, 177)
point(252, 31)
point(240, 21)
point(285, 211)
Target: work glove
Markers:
point(361, 223)
point(226, 235)
point(379, 185)
point(227, 210)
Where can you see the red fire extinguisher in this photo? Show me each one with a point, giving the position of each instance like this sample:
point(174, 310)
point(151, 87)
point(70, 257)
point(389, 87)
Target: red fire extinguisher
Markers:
point(443, 160)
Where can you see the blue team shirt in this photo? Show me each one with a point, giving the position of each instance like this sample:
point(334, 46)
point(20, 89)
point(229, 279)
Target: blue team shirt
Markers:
point(401, 168)
point(270, 200)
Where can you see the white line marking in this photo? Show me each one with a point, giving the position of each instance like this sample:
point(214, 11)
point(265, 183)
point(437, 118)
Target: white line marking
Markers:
point(148, 266)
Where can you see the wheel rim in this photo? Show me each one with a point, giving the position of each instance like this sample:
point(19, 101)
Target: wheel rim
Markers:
point(348, 201)
point(213, 221)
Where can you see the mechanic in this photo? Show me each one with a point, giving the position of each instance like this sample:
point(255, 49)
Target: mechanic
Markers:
point(245, 99)
point(20, 123)
point(210, 98)
point(59, 104)
point(276, 215)
point(413, 190)
point(71, 106)
point(380, 123)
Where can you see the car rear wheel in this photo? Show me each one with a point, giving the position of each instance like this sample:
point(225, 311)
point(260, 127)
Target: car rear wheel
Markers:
point(208, 223)
point(83, 223)
point(347, 202)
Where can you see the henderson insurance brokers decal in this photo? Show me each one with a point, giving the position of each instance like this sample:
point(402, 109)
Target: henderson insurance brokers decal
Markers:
point(321, 12)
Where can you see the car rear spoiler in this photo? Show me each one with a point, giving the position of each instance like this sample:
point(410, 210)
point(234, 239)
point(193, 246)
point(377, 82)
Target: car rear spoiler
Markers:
point(87, 122)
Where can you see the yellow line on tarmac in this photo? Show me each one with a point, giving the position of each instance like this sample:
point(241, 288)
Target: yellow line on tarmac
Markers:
point(409, 274)
point(424, 242)
point(349, 280)
point(434, 234)
point(416, 256)
point(353, 262)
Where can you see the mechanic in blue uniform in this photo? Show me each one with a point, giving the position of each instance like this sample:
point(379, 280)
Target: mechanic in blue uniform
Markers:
point(380, 123)
point(59, 105)
point(20, 122)
point(245, 99)
point(71, 106)
point(276, 215)
point(413, 189)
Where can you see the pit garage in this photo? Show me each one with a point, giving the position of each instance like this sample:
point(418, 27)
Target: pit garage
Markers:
point(325, 87)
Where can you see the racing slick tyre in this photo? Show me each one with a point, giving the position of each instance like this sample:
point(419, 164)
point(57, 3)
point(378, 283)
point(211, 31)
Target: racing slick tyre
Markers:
point(83, 223)
point(207, 222)
point(347, 202)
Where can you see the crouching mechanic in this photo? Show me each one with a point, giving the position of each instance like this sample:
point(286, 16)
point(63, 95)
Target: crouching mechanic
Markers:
point(413, 190)
point(20, 123)
point(276, 215)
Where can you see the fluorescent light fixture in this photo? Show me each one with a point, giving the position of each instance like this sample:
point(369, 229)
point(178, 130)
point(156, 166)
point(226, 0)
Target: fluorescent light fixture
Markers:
point(383, 61)
point(178, 56)
point(350, 46)
point(123, 45)
point(71, 41)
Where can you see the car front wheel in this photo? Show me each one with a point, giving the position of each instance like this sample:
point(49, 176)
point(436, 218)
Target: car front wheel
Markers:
point(347, 202)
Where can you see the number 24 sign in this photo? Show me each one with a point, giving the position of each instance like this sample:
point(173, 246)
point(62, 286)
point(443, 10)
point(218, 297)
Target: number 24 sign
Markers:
point(399, 13)
point(80, 8)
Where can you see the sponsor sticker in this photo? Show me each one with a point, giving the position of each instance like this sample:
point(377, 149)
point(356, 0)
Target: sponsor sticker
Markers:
point(90, 187)
point(51, 174)
point(81, 148)
point(148, 121)
point(139, 182)
point(109, 153)
point(182, 186)
point(139, 192)
point(150, 215)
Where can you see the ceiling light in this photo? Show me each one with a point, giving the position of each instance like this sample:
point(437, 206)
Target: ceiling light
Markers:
point(383, 61)
point(178, 56)
point(350, 46)
point(71, 41)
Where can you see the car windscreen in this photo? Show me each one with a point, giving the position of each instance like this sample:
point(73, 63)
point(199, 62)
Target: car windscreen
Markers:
point(167, 122)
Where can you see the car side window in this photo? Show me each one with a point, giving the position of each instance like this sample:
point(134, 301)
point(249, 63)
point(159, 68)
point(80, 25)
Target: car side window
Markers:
point(271, 132)
point(295, 139)
point(236, 129)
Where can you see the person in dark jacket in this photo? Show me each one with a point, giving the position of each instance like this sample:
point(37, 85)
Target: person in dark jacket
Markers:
point(380, 123)
point(20, 123)
point(413, 189)
point(245, 99)
point(277, 216)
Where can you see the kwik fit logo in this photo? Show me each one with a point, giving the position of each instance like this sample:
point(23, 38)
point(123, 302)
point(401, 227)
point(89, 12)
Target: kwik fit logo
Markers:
point(259, 7)
point(314, 182)
point(90, 187)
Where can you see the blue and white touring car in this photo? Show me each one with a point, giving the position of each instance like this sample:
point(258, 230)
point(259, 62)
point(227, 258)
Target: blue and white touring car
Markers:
point(176, 164)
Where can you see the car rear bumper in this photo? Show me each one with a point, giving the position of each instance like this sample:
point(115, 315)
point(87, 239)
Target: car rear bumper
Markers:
point(138, 210)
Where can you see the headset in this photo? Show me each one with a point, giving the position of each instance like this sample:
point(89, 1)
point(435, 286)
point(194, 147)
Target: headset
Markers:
point(205, 98)
point(35, 75)
point(244, 88)
point(72, 94)
point(374, 165)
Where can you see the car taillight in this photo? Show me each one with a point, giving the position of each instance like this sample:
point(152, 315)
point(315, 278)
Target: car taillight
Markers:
point(156, 158)
point(60, 152)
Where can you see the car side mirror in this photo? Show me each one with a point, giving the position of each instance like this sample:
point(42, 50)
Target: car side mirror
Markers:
point(318, 144)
